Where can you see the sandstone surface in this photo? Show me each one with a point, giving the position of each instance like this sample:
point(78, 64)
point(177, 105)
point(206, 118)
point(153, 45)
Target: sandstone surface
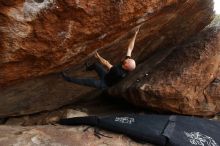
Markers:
point(60, 136)
point(42, 37)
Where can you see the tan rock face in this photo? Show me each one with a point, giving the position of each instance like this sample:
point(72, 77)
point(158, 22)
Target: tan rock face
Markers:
point(43, 36)
point(60, 136)
point(185, 82)
point(212, 93)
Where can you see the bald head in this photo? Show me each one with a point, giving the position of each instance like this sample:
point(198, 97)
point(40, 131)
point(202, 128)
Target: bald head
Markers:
point(129, 64)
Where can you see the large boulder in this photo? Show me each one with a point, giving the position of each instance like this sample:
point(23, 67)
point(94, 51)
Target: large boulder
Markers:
point(185, 82)
point(39, 37)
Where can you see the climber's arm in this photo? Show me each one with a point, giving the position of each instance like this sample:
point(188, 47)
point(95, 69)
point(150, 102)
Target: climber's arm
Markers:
point(103, 61)
point(131, 44)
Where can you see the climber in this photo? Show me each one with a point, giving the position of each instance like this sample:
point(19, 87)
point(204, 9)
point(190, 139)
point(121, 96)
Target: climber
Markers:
point(113, 74)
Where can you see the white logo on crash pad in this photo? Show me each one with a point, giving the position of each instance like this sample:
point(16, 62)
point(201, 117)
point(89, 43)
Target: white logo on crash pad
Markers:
point(196, 138)
point(124, 120)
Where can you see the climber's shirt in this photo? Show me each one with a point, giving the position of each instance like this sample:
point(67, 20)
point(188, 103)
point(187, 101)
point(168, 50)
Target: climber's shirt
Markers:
point(115, 74)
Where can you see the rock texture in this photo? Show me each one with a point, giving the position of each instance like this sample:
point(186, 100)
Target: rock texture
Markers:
point(44, 36)
point(60, 136)
point(101, 106)
point(186, 82)
point(212, 93)
point(42, 94)
point(41, 37)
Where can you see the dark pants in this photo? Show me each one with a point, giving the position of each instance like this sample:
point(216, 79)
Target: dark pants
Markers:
point(100, 84)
